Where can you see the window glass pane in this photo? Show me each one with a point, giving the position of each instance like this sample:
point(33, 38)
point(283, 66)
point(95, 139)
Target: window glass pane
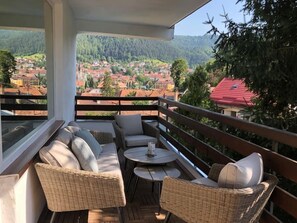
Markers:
point(23, 86)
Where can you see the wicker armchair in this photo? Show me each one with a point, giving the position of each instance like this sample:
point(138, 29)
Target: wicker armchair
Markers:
point(150, 133)
point(199, 203)
point(71, 190)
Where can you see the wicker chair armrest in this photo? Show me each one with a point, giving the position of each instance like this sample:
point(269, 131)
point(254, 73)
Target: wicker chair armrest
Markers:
point(102, 137)
point(214, 171)
point(199, 203)
point(69, 190)
point(150, 130)
point(120, 136)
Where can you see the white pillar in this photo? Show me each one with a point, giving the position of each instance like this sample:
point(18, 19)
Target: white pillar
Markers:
point(61, 58)
point(48, 27)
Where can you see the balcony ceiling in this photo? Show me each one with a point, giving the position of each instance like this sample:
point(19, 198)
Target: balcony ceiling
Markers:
point(139, 17)
point(144, 12)
point(148, 12)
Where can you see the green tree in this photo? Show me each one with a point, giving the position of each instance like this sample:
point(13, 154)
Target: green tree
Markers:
point(129, 72)
point(197, 93)
point(131, 94)
point(142, 80)
point(107, 89)
point(263, 52)
point(117, 89)
point(41, 79)
point(215, 72)
point(178, 71)
point(115, 69)
point(7, 67)
point(90, 83)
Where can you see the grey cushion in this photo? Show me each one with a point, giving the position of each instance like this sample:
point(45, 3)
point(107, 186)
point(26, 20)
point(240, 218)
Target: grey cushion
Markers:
point(64, 136)
point(108, 160)
point(72, 129)
point(58, 154)
point(139, 140)
point(246, 172)
point(131, 124)
point(84, 154)
point(73, 123)
point(92, 142)
point(206, 182)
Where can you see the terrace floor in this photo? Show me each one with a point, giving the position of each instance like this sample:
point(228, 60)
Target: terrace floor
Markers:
point(144, 207)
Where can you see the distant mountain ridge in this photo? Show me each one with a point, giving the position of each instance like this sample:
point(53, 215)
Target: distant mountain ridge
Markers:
point(195, 49)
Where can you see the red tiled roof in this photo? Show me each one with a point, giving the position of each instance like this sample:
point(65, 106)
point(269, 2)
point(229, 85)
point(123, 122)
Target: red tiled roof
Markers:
point(11, 91)
point(80, 83)
point(30, 91)
point(232, 92)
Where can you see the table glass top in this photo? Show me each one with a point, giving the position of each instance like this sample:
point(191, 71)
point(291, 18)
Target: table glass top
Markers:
point(139, 154)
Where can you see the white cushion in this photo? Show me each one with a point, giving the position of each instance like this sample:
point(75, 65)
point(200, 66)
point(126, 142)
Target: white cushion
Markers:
point(131, 124)
point(58, 154)
point(84, 154)
point(92, 142)
point(246, 172)
point(205, 181)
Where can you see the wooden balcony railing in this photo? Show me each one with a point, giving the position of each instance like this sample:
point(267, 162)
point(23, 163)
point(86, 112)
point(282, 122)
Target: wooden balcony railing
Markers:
point(104, 108)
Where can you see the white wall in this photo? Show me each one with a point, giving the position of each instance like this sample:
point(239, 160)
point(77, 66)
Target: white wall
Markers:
point(21, 199)
point(7, 198)
point(29, 197)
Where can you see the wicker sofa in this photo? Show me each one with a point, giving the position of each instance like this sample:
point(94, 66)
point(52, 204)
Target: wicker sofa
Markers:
point(68, 189)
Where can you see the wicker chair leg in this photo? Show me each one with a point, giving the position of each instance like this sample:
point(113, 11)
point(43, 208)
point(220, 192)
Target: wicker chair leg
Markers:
point(121, 215)
point(53, 217)
point(125, 163)
point(168, 215)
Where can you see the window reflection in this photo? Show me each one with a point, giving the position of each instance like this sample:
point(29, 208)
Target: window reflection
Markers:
point(23, 86)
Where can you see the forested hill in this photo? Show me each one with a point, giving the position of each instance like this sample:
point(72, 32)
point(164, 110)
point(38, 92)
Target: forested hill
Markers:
point(195, 49)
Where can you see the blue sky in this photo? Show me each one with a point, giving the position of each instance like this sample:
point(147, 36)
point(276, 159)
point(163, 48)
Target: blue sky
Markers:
point(193, 24)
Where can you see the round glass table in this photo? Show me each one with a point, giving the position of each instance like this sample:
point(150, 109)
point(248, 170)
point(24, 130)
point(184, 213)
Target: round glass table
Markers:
point(139, 155)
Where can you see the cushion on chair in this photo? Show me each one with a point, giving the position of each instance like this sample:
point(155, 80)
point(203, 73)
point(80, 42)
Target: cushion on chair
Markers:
point(108, 161)
point(84, 154)
point(205, 181)
point(131, 124)
point(72, 129)
point(58, 154)
point(64, 136)
point(91, 141)
point(73, 123)
point(139, 140)
point(246, 172)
